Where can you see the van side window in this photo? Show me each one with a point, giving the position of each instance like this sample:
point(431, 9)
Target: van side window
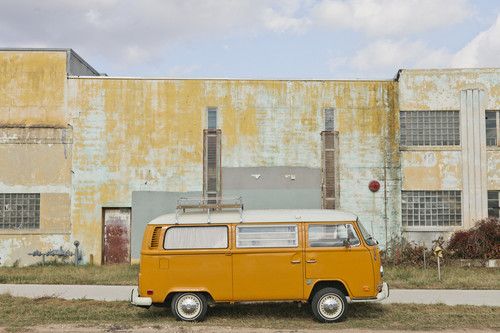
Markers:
point(185, 238)
point(332, 235)
point(267, 236)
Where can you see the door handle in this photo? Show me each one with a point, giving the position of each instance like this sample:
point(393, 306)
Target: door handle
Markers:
point(295, 261)
point(311, 261)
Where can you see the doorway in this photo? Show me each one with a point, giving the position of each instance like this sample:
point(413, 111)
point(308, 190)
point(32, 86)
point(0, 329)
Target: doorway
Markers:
point(116, 235)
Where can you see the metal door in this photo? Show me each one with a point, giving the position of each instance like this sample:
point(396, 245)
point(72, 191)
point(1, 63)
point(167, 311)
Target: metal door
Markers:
point(116, 235)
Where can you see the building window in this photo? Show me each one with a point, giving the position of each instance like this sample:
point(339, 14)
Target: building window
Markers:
point(177, 238)
point(212, 170)
point(431, 208)
point(267, 236)
point(19, 210)
point(212, 118)
point(494, 204)
point(430, 128)
point(493, 128)
point(332, 235)
point(329, 119)
point(329, 166)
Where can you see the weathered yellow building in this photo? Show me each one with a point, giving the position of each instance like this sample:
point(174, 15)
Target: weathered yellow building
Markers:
point(93, 158)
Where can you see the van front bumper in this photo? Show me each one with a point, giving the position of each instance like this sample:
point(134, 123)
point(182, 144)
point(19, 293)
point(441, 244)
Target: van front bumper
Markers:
point(380, 296)
point(136, 300)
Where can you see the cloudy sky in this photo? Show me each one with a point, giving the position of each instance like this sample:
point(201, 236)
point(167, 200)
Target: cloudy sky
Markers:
point(331, 39)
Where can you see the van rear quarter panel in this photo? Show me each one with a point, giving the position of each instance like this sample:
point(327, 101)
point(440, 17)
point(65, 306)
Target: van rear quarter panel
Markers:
point(166, 271)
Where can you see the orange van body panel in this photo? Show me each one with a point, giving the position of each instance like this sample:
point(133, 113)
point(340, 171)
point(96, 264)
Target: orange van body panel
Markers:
point(258, 274)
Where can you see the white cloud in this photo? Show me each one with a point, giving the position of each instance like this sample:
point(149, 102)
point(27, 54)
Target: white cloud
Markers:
point(482, 51)
point(386, 56)
point(128, 31)
point(391, 17)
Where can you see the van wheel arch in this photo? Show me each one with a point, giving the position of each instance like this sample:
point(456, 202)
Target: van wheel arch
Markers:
point(328, 284)
point(170, 296)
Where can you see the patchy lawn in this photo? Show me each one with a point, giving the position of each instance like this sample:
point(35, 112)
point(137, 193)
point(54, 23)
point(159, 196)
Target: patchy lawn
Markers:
point(453, 277)
point(20, 313)
point(69, 274)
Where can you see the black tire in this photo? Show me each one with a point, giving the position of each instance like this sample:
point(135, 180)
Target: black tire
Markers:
point(198, 312)
point(333, 295)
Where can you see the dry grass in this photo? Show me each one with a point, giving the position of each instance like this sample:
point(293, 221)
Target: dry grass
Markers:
point(18, 313)
point(68, 274)
point(452, 277)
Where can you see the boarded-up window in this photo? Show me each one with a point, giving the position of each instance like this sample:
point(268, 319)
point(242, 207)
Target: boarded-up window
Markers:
point(329, 169)
point(212, 118)
point(329, 119)
point(431, 208)
point(212, 164)
point(19, 210)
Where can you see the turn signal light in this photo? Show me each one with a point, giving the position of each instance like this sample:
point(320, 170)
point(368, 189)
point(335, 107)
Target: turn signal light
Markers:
point(149, 292)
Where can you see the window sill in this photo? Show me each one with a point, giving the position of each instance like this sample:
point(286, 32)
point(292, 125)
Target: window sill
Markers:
point(492, 148)
point(430, 148)
point(431, 229)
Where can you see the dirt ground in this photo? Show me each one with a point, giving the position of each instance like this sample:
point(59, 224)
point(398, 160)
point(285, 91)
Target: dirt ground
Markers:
point(210, 329)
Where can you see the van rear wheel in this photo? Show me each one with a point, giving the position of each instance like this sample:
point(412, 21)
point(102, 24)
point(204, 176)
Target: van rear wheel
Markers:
point(189, 306)
point(329, 305)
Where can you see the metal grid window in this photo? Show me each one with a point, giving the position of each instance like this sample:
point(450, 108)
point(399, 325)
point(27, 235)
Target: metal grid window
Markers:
point(430, 128)
point(329, 119)
point(494, 204)
point(493, 128)
point(431, 208)
point(19, 210)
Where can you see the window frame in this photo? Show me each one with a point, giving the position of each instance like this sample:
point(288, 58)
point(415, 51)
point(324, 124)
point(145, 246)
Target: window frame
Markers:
point(497, 128)
point(413, 135)
point(196, 248)
point(415, 211)
point(497, 192)
point(296, 239)
point(308, 241)
point(22, 199)
point(212, 110)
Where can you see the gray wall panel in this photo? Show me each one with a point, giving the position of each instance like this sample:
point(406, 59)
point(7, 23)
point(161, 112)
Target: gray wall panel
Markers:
point(147, 205)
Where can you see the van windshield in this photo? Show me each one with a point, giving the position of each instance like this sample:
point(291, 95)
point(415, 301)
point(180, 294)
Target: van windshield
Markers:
point(366, 235)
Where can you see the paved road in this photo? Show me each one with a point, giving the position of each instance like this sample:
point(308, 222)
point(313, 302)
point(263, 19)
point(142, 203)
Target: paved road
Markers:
point(122, 293)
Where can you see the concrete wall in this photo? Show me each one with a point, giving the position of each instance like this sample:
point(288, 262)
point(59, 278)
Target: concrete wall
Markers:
point(146, 135)
point(35, 149)
point(442, 168)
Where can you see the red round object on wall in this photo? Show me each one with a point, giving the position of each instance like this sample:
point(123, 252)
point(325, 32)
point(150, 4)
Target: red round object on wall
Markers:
point(374, 186)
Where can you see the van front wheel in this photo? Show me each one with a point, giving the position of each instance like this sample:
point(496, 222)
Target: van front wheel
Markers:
point(329, 305)
point(189, 306)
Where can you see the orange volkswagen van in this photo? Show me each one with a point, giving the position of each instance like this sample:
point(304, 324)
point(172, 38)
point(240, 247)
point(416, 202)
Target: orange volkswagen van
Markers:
point(193, 259)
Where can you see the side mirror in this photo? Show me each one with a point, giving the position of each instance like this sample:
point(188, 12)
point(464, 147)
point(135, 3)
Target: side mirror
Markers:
point(347, 243)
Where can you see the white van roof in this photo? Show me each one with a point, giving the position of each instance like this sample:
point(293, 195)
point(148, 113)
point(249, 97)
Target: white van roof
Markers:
point(248, 216)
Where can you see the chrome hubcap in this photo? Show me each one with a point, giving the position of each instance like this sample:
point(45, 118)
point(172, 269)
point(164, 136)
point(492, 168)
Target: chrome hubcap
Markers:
point(330, 306)
point(189, 306)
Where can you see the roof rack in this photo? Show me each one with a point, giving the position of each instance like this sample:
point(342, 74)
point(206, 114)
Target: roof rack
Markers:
point(209, 204)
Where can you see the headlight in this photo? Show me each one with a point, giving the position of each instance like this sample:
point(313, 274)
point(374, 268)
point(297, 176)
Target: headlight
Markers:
point(381, 271)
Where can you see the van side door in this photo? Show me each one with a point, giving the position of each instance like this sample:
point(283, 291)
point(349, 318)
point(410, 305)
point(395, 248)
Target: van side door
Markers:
point(267, 262)
point(334, 251)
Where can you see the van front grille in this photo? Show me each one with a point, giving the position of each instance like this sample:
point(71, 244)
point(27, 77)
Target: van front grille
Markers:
point(155, 240)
